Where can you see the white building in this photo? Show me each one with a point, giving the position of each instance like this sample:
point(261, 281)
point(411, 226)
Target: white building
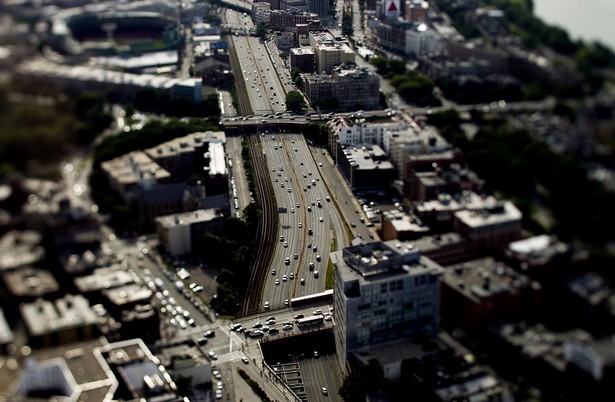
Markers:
point(384, 292)
point(421, 40)
point(329, 51)
point(349, 131)
point(179, 232)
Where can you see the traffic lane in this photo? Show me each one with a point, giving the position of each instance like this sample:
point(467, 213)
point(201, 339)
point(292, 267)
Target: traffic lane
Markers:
point(321, 372)
point(350, 208)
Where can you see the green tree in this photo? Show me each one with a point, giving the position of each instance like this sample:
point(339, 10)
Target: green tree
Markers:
point(362, 380)
point(261, 31)
point(295, 73)
point(295, 101)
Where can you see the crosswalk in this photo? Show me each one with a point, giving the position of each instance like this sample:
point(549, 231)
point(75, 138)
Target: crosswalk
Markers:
point(230, 356)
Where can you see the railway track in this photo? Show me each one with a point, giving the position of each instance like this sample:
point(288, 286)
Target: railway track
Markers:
point(267, 233)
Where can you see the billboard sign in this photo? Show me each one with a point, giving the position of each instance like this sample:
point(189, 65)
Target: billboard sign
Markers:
point(392, 8)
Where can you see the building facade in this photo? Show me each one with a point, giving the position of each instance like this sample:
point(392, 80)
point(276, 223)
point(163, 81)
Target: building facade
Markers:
point(351, 88)
point(384, 292)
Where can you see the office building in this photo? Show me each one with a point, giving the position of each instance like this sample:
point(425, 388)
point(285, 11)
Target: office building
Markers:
point(384, 292)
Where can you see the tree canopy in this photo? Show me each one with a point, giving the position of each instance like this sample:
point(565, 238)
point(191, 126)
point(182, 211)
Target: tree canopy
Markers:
point(295, 101)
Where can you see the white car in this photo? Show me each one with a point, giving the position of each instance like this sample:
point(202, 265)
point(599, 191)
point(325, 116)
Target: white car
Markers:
point(212, 355)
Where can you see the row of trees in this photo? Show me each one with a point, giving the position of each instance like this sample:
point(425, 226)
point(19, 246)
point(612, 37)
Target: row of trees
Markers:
point(41, 128)
point(164, 103)
point(232, 251)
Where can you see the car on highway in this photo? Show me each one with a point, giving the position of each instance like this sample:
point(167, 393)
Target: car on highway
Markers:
point(287, 261)
point(284, 278)
point(311, 266)
point(210, 334)
point(320, 218)
point(299, 316)
point(266, 305)
point(292, 274)
point(273, 271)
point(324, 389)
point(256, 333)
point(245, 359)
point(277, 281)
point(285, 244)
point(318, 257)
point(315, 274)
point(286, 302)
point(273, 331)
point(303, 281)
point(287, 327)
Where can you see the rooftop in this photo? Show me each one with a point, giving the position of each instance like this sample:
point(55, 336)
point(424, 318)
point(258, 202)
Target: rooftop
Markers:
point(134, 167)
point(403, 222)
point(29, 281)
point(128, 294)
point(372, 261)
point(42, 317)
point(537, 250)
point(104, 278)
point(466, 200)
point(500, 213)
point(187, 218)
point(367, 157)
point(485, 277)
point(19, 248)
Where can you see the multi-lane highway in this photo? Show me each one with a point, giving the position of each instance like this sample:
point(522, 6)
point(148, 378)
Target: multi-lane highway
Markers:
point(304, 220)
point(259, 73)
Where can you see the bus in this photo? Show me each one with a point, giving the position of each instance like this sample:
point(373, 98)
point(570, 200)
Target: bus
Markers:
point(311, 321)
point(314, 299)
